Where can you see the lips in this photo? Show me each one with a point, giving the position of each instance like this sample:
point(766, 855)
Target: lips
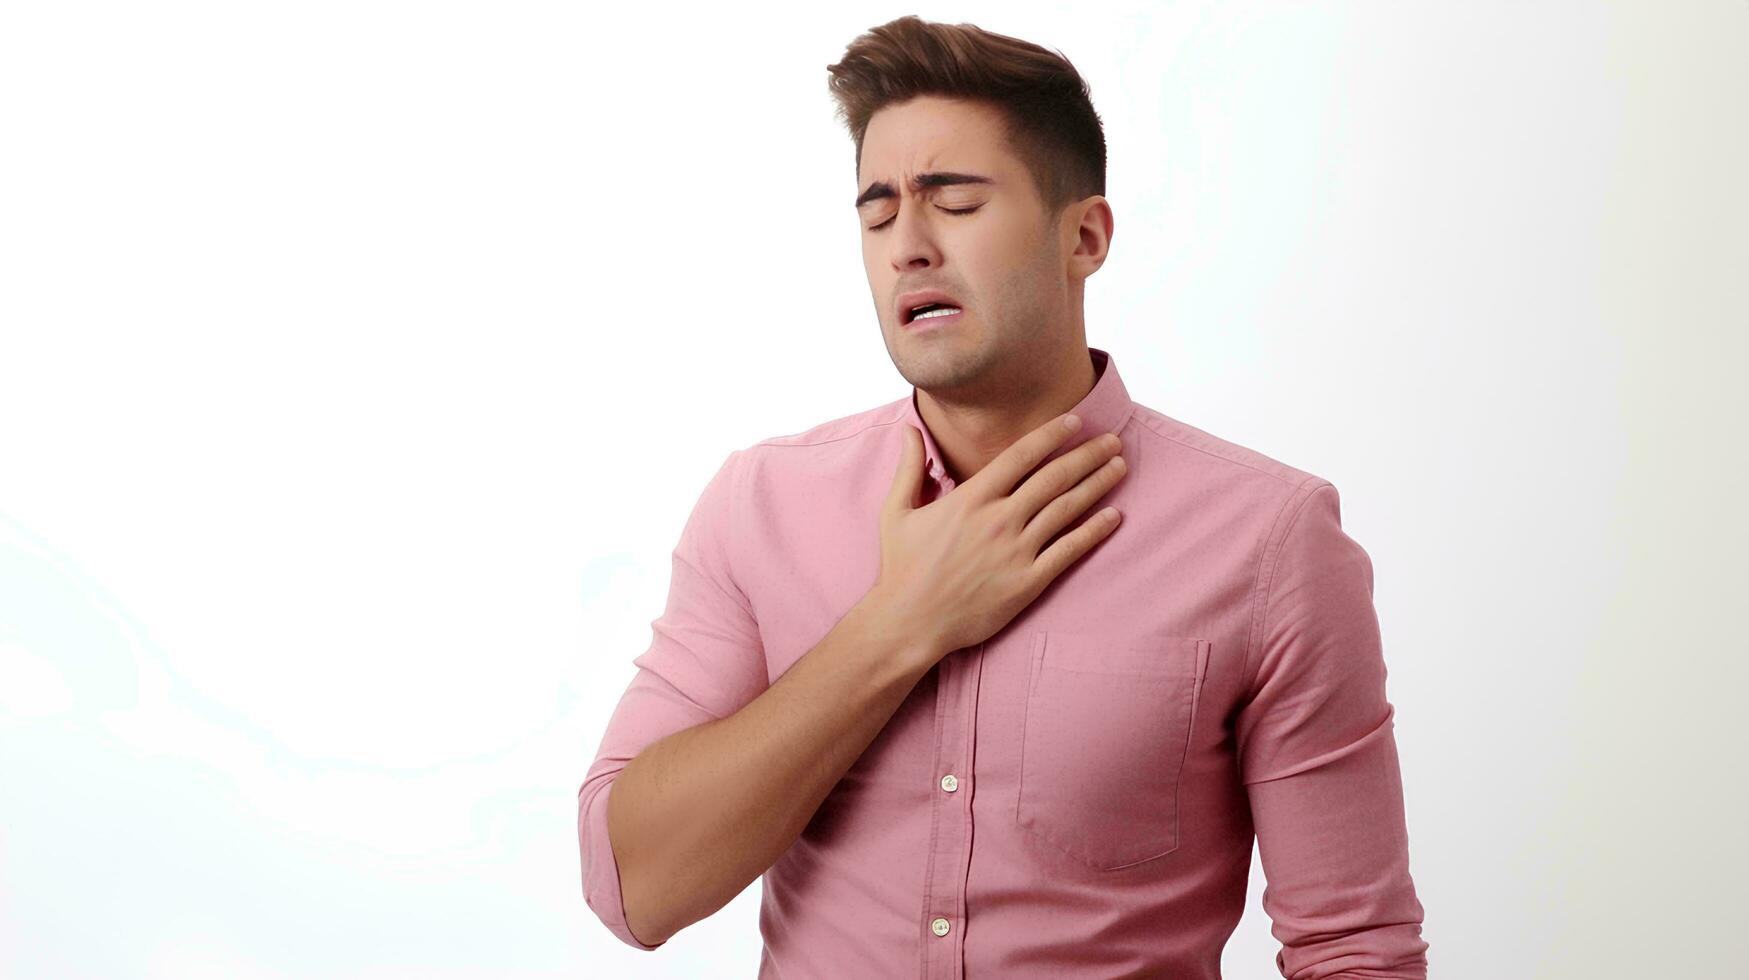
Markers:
point(930, 324)
point(908, 303)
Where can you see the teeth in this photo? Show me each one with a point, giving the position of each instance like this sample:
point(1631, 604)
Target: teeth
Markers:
point(943, 311)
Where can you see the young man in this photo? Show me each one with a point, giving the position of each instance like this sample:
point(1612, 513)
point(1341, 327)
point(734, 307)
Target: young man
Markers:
point(915, 673)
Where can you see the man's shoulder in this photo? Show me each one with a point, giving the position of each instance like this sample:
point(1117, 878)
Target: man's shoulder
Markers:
point(1206, 453)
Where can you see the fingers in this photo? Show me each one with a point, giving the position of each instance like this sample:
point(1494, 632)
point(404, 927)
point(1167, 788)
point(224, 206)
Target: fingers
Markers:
point(1002, 473)
point(1066, 508)
point(1069, 548)
point(1062, 476)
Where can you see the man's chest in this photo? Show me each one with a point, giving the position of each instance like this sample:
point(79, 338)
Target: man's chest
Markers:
point(1080, 722)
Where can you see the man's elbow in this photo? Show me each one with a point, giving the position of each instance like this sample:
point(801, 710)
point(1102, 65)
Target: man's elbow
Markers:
point(612, 891)
point(643, 912)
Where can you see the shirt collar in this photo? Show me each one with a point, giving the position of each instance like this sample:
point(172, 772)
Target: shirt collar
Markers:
point(1103, 409)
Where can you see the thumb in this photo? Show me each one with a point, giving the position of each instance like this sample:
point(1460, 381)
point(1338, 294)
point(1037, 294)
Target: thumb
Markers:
point(906, 481)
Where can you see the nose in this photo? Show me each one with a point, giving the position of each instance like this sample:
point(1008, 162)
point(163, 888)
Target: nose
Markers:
point(913, 240)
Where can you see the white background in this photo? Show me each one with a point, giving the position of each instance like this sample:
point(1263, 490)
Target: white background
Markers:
point(359, 363)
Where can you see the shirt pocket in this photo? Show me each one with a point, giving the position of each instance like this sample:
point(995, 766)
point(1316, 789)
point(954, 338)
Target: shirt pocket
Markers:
point(1107, 725)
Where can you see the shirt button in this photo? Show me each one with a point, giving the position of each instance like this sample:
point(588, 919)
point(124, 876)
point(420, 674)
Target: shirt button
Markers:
point(949, 783)
point(939, 927)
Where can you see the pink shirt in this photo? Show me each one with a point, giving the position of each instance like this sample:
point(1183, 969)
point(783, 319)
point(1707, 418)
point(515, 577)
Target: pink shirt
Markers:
point(1077, 795)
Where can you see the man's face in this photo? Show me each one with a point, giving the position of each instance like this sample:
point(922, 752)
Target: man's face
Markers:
point(1001, 260)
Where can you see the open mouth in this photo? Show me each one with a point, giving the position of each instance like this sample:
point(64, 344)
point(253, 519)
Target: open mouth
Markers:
point(929, 313)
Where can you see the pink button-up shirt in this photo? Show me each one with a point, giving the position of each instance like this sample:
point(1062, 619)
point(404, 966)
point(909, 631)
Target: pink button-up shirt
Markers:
point(1076, 795)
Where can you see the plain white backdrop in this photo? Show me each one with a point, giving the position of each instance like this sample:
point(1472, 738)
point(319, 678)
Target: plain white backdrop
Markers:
point(359, 363)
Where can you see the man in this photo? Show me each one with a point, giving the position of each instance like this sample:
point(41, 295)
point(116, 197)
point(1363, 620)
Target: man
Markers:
point(915, 673)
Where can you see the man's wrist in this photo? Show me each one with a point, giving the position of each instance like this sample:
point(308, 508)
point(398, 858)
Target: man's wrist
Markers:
point(895, 624)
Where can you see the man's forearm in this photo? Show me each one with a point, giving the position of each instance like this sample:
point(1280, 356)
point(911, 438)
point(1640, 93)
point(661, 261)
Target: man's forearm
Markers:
point(698, 815)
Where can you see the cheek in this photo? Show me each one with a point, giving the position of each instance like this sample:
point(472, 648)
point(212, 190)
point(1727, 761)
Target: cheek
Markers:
point(1009, 245)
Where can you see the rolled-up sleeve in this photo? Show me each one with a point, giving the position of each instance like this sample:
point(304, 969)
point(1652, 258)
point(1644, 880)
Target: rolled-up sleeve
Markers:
point(705, 661)
point(1319, 760)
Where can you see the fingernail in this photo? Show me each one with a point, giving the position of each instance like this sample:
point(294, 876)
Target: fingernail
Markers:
point(1071, 422)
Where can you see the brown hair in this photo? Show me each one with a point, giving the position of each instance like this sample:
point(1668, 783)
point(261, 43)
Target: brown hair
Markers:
point(1049, 119)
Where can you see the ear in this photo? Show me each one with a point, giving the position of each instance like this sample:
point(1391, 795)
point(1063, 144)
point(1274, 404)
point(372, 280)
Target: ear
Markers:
point(1087, 228)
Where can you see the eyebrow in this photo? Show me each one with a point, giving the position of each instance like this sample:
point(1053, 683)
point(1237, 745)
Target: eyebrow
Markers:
point(881, 188)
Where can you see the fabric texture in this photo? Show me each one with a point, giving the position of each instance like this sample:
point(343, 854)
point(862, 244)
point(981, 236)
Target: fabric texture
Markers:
point(1211, 672)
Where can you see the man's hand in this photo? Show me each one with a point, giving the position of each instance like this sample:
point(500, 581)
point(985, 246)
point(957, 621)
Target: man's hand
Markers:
point(961, 567)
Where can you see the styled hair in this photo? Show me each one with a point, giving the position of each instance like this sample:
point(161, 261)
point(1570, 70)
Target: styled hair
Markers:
point(1048, 117)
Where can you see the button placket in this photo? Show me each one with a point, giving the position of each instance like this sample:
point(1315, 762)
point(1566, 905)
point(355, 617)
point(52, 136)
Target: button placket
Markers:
point(944, 901)
point(973, 674)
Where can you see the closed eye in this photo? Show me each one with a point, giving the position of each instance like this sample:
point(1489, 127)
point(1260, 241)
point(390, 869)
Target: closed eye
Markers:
point(948, 210)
